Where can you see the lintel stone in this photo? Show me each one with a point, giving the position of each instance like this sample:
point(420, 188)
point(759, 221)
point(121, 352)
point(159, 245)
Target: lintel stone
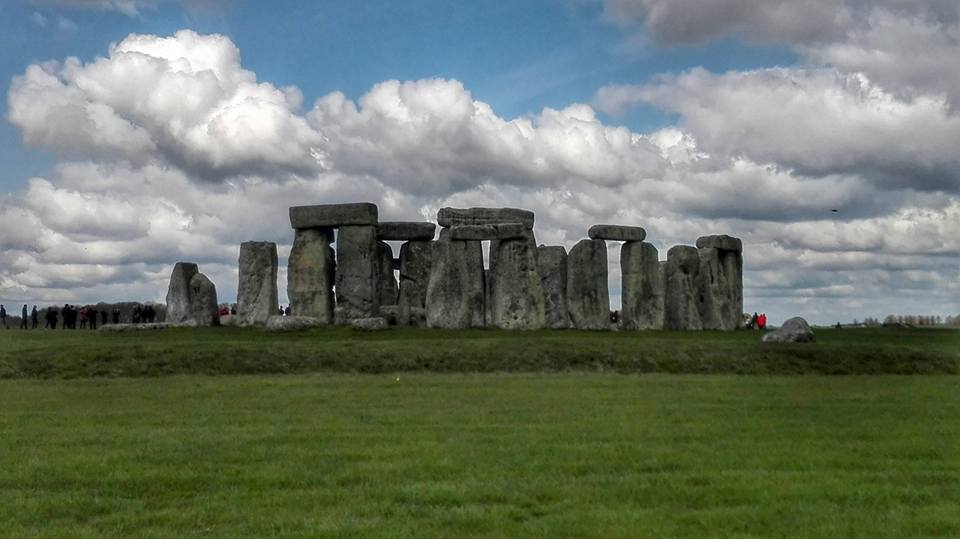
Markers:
point(333, 215)
point(405, 231)
point(448, 217)
point(617, 233)
point(505, 231)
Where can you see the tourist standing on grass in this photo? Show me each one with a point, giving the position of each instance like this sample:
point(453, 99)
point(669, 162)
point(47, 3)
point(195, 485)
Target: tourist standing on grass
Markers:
point(34, 316)
point(762, 321)
point(3, 316)
point(116, 315)
point(92, 317)
point(23, 317)
point(51, 318)
point(103, 317)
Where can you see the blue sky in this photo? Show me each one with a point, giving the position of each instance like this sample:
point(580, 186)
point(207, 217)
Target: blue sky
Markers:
point(822, 133)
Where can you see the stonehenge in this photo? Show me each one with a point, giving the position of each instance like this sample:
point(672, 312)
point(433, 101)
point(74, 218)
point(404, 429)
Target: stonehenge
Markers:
point(342, 269)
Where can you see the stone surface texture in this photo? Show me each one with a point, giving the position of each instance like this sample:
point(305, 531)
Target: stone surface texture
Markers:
point(448, 217)
point(794, 330)
point(552, 266)
point(517, 299)
point(588, 298)
point(358, 273)
point(415, 262)
point(178, 292)
point(375, 323)
point(455, 290)
point(333, 215)
point(721, 282)
point(389, 290)
point(503, 231)
point(681, 305)
point(204, 309)
point(257, 290)
point(310, 274)
point(406, 231)
point(617, 233)
point(641, 287)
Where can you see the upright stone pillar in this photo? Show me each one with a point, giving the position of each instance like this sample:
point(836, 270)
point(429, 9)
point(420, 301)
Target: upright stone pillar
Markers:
point(310, 274)
point(203, 301)
point(388, 289)
point(518, 300)
point(682, 289)
point(588, 297)
point(456, 285)
point(552, 264)
point(641, 290)
point(358, 273)
point(257, 291)
point(178, 293)
point(721, 282)
point(415, 262)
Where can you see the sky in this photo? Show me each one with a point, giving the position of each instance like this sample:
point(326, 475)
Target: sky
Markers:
point(824, 133)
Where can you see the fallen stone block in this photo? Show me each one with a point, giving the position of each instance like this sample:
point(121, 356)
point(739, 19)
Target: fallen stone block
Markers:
point(448, 217)
point(794, 330)
point(617, 233)
point(506, 231)
point(405, 231)
point(376, 323)
point(293, 323)
point(333, 215)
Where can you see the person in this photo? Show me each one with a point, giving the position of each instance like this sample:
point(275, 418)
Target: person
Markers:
point(286, 312)
point(116, 315)
point(136, 313)
point(23, 317)
point(103, 317)
point(84, 313)
point(92, 317)
point(762, 321)
point(34, 316)
point(3, 316)
point(51, 318)
point(754, 321)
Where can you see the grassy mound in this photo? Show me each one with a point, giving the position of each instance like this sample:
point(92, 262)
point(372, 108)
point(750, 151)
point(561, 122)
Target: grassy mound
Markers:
point(73, 354)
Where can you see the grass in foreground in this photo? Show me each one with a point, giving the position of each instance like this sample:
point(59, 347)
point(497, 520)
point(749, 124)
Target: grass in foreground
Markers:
point(71, 354)
point(562, 455)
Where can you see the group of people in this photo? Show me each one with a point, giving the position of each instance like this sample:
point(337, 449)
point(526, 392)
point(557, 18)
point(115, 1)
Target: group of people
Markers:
point(757, 321)
point(72, 316)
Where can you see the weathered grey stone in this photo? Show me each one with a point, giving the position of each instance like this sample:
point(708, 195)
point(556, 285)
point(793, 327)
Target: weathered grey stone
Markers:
point(178, 293)
point(552, 264)
point(405, 231)
point(390, 313)
point(358, 273)
point(448, 217)
point(455, 290)
point(310, 274)
point(588, 298)
point(415, 261)
point(721, 289)
point(123, 328)
point(517, 301)
point(389, 291)
point(721, 242)
point(333, 215)
point(641, 287)
point(376, 323)
point(257, 291)
point(681, 289)
point(204, 309)
point(617, 233)
point(293, 323)
point(505, 231)
point(794, 330)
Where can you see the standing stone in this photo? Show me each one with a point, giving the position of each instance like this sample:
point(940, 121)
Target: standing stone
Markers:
point(641, 289)
point(517, 301)
point(310, 274)
point(257, 292)
point(552, 264)
point(682, 287)
point(389, 291)
point(178, 293)
point(415, 261)
point(358, 273)
point(588, 297)
point(721, 286)
point(204, 309)
point(456, 286)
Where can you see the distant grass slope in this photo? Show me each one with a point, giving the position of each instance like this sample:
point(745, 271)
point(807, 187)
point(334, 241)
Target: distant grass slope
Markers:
point(440, 455)
point(71, 354)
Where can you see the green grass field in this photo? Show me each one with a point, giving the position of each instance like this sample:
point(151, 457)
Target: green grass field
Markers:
point(480, 433)
point(72, 354)
point(503, 455)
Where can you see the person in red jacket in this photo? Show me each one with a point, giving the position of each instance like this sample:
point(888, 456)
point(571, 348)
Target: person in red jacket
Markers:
point(762, 321)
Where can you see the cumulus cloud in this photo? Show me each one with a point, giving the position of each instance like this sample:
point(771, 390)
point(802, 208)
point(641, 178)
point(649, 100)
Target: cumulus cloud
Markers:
point(173, 151)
